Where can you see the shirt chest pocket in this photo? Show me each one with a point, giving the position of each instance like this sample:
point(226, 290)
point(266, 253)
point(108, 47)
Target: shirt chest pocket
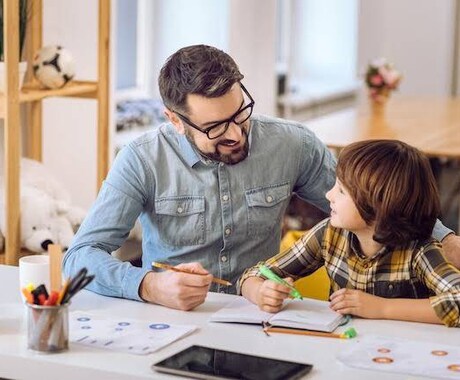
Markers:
point(400, 289)
point(181, 220)
point(265, 207)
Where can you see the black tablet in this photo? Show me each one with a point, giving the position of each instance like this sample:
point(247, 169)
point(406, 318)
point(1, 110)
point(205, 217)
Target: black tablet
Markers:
point(209, 363)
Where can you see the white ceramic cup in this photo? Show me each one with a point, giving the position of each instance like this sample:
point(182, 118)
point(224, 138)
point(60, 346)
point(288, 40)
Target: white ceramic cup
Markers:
point(34, 270)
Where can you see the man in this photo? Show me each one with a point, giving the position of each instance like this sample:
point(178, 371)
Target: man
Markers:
point(210, 188)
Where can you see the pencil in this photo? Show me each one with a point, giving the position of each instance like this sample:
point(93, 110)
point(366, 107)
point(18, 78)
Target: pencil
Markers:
point(348, 334)
point(170, 267)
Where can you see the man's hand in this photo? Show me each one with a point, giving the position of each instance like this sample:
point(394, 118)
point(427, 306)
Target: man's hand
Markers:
point(183, 291)
point(357, 302)
point(451, 247)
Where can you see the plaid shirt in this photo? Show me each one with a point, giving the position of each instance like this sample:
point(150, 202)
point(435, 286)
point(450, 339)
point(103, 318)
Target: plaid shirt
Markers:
point(417, 271)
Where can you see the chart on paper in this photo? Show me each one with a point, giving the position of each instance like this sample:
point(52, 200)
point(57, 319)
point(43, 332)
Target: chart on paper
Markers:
point(133, 336)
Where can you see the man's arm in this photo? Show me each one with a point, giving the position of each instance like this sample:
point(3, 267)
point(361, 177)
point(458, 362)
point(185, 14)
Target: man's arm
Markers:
point(450, 242)
point(107, 225)
point(183, 291)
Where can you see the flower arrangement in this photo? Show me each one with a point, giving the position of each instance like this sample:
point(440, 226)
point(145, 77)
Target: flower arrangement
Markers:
point(381, 79)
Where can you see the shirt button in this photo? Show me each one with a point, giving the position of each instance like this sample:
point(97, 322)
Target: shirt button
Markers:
point(225, 197)
point(180, 210)
point(228, 231)
point(269, 199)
point(223, 259)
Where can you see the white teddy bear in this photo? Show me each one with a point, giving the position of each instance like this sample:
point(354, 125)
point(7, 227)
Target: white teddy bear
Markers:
point(46, 214)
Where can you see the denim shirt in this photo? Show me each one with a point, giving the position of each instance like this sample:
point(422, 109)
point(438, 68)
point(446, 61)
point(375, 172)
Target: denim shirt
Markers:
point(227, 217)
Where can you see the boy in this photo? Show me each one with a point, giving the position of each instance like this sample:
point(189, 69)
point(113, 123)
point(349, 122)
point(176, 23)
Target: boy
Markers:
point(376, 246)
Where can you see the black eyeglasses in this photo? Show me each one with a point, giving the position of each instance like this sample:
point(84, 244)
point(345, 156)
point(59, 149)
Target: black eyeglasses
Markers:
point(219, 128)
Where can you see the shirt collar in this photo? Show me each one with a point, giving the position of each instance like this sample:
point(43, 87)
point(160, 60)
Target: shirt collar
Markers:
point(354, 245)
point(188, 151)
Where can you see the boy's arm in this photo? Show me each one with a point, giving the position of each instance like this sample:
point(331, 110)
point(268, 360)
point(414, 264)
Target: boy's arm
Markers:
point(442, 278)
point(362, 304)
point(414, 310)
point(302, 258)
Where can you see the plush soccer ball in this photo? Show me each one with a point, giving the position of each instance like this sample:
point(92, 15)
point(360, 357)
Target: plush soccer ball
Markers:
point(53, 66)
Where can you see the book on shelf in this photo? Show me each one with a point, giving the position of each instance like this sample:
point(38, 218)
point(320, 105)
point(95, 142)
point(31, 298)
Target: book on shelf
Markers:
point(308, 314)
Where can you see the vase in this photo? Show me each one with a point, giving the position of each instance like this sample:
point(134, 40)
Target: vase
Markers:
point(378, 105)
point(21, 73)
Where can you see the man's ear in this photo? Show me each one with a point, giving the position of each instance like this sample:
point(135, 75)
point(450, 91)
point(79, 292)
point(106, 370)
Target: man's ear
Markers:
point(174, 119)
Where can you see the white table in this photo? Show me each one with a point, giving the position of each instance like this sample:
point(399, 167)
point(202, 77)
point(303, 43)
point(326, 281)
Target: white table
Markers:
point(81, 362)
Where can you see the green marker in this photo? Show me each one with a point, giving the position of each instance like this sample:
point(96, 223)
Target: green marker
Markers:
point(266, 272)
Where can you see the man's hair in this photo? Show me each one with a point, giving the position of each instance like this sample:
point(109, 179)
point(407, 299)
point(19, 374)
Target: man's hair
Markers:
point(391, 184)
point(198, 69)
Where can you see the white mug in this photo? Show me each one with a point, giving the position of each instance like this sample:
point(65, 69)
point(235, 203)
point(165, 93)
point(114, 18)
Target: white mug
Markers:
point(34, 270)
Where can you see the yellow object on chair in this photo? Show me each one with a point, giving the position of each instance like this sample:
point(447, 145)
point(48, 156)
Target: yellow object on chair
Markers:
point(315, 285)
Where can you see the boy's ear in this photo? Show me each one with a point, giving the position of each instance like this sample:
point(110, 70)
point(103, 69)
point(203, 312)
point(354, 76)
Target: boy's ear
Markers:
point(174, 119)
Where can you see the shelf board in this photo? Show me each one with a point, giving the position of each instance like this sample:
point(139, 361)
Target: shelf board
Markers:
point(23, 252)
point(32, 92)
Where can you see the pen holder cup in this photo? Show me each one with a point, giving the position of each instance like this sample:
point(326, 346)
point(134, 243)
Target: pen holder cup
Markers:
point(48, 328)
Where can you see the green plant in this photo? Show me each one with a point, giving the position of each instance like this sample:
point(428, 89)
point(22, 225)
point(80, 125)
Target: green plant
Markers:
point(24, 12)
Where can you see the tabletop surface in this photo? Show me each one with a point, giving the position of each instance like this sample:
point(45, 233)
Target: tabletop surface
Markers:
point(428, 123)
point(17, 362)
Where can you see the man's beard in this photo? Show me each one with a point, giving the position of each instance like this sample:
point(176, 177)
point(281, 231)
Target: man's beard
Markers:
point(229, 159)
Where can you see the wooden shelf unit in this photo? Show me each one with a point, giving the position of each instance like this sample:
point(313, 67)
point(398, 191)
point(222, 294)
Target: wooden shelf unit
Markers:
point(32, 94)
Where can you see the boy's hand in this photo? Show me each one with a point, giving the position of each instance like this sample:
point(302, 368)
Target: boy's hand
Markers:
point(271, 295)
point(358, 303)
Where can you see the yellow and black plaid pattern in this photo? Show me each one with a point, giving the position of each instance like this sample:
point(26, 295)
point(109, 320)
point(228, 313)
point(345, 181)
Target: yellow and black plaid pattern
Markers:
point(417, 271)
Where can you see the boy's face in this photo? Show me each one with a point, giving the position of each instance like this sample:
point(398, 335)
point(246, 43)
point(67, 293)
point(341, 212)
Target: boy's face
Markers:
point(230, 148)
point(344, 213)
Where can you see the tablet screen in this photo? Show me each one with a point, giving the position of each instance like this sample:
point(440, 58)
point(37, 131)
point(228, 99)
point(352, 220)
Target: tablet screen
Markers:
point(210, 363)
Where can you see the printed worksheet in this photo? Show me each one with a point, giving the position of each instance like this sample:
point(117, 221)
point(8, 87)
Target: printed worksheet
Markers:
point(133, 336)
point(411, 357)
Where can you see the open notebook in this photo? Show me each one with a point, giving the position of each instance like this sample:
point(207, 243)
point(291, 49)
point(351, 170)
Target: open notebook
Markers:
point(308, 314)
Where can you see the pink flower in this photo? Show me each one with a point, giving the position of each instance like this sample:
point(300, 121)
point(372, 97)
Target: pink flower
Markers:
point(381, 79)
point(390, 77)
point(376, 80)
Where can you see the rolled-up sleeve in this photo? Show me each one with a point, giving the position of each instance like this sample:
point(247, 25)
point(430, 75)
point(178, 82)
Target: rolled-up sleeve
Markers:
point(443, 279)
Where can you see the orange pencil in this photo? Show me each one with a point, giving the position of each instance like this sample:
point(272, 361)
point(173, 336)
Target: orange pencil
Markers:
point(63, 291)
point(347, 334)
point(170, 267)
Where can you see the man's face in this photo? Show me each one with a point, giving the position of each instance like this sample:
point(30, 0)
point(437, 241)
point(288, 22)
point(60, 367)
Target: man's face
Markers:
point(233, 146)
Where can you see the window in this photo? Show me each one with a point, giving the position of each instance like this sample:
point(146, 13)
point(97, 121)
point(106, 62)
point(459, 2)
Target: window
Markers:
point(317, 49)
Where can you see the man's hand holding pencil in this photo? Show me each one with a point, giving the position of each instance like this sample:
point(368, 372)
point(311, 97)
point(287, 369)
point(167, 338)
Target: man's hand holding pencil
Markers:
point(182, 287)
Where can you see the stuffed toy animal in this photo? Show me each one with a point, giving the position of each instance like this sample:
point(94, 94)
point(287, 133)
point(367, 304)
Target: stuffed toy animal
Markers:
point(46, 215)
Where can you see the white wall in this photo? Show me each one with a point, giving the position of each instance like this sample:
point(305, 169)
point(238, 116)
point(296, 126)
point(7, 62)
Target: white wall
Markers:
point(252, 37)
point(416, 36)
point(244, 29)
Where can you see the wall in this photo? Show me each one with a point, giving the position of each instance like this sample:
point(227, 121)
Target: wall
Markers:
point(252, 36)
point(417, 36)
